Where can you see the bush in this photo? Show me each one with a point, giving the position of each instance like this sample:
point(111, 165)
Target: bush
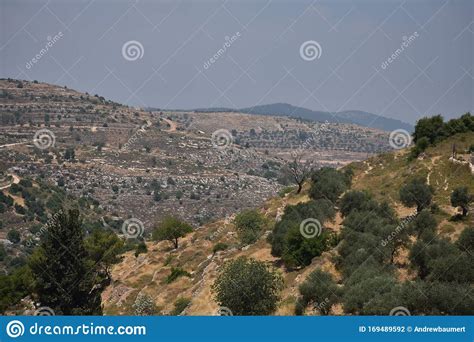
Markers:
point(176, 273)
point(140, 248)
point(248, 287)
point(219, 247)
point(179, 306)
point(144, 305)
point(288, 242)
point(14, 236)
point(250, 225)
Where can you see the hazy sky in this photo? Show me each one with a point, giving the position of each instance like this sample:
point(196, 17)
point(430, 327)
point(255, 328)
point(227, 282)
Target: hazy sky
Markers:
point(261, 63)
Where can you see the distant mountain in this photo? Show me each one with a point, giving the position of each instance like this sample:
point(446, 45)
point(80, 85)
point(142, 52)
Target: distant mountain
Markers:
point(357, 117)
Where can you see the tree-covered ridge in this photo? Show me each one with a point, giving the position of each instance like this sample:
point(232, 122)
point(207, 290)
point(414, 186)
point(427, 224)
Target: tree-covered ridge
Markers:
point(431, 130)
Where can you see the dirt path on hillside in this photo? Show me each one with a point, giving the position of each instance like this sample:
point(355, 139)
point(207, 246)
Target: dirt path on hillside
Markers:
point(16, 180)
point(13, 144)
point(173, 125)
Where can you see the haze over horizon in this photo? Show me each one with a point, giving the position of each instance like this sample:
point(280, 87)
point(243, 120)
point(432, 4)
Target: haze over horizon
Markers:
point(262, 62)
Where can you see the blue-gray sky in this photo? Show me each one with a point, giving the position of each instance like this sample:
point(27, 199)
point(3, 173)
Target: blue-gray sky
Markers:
point(433, 74)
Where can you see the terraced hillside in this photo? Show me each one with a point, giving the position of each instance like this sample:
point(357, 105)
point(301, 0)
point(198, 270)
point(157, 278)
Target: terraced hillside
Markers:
point(382, 176)
point(146, 165)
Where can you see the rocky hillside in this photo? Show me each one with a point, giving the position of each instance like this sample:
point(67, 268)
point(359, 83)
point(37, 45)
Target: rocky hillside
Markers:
point(146, 164)
point(382, 175)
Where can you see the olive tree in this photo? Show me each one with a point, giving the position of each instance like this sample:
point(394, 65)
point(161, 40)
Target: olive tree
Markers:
point(171, 229)
point(248, 287)
point(460, 197)
point(416, 193)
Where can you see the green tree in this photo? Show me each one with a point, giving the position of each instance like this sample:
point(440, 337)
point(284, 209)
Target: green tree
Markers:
point(329, 183)
point(320, 290)
point(460, 197)
point(439, 298)
point(432, 128)
point(300, 250)
point(14, 236)
point(14, 287)
point(423, 254)
point(250, 225)
point(466, 240)
point(416, 193)
point(64, 278)
point(322, 210)
point(355, 200)
point(248, 287)
point(103, 248)
point(359, 296)
point(424, 225)
point(420, 146)
point(171, 229)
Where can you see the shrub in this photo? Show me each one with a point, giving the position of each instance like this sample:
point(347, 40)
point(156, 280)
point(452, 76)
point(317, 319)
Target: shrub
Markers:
point(288, 242)
point(220, 246)
point(140, 248)
point(14, 236)
point(179, 306)
point(176, 273)
point(250, 225)
point(144, 305)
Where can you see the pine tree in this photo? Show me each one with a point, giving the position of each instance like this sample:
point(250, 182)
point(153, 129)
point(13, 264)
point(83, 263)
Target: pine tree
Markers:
point(65, 279)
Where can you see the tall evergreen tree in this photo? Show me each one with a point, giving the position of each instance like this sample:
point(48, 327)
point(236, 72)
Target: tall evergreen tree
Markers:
point(65, 279)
